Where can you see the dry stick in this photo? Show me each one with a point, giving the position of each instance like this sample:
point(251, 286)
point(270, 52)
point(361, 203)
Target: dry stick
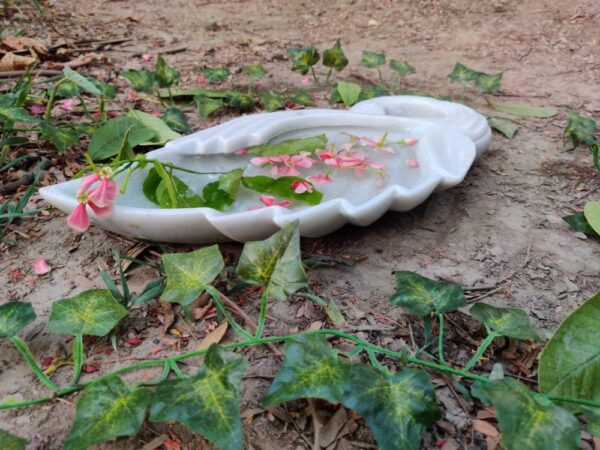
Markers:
point(316, 424)
point(38, 73)
point(9, 188)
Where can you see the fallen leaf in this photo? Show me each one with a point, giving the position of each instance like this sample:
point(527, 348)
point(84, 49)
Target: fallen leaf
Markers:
point(166, 316)
point(135, 341)
point(331, 430)
point(214, 337)
point(171, 444)
point(24, 43)
point(132, 253)
point(485, 428)
point(10, 61)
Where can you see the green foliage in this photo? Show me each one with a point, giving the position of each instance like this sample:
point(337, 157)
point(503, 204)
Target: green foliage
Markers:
point(290, 146)
point(107, 409)
point(401, 67)
point(94, 312)
point(62, 137)
point(282, 187)
point(422, 296)
point(207, 402)
point(11, 442)
point(372, 60)
point(216, 75)
point(108, 139)
point(66, 89)
point(303, 58)
point(16, 114)
point(81, 81)
point(373, 90)
point(517, 109)
point(222, 193)
point(570, 363)
point(334, 57)
point(166, 75)
point(506, 127)
point(510, 322)
point(488, 83)
point(272, 101)
point(301, 97)
point(207, 105)
point(188, 274)
point(168, 191)
point(274, 263)
point(142, 80)
point(239, 101)
point(530, 423)
point(348, 92)
point(14, 316)
point(462, 73)
point(255, 71)
point(581, 129)
point(579, 223)
point(176, 120)
point(163, 133)
point(591, 211)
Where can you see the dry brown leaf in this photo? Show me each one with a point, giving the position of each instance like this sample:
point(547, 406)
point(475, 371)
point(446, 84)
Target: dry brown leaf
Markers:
point(80, 61)
point(597, 443)
point(449, 445)
point(331, 430)
point(24, 43)
point(485, 428)
point(166, 316)
point(199, 312)
point(486, 413)
point(214, 337)
point(133, 252)
point(10, 62)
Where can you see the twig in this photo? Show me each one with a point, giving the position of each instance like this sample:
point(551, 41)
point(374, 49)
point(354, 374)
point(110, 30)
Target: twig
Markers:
point(9, 188)
point(316, 424)
point(161, 51)
point(37, 73)
point(456, 395)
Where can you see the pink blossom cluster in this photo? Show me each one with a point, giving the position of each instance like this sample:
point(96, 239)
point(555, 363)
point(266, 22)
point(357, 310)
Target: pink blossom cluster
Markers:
point(98, 191)
point(284, 164)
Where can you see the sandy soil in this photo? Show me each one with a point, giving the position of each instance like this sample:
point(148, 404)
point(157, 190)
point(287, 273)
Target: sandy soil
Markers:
point(501, 227)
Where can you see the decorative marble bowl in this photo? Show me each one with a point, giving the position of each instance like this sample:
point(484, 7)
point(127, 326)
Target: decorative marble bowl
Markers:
point(450, 136)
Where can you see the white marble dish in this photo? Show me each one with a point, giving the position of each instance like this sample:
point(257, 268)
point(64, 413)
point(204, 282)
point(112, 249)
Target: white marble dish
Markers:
point(450, 137)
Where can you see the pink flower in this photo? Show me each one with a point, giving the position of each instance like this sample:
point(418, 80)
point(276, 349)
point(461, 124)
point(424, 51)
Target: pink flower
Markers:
point(37, 109)
point(269, 200)
point(103, 194)
point(305, 80)
point(376, 144)
point(101, 211)
point(285, 164)
point(155, 113)
point(408, 141)
point(146, 57)
point(261, 160)
point(87, 182)
point(320, 179)
point(242, 151)
point(67, 105)
point(41, 267)
point(412, 163)
point(79, 219)
point(300, 187)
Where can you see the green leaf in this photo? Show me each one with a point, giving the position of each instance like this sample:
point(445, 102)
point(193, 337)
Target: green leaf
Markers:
point(11, 442)
point(222, 193)
point(591, 212)
point(401, 67)
point(108, 139)
point(274, 263)
point(163, 132)
point(578, 223)
point(334, 57)
point(14, 316)
point(372, 91)
point(175, 118)
point(510, 322)
point(570, 362)
point(17, 114)
point(150, 185)
point(206, 105)
point(372, 60)
point(239, 101)
point(108, 90)
point(349, 92)
point(488, 83)
point(282, 187)
point(523, 110)
point(94, 312)
point(81, 81)
point(422, 296)
point(216, 75)
point(301, 97)
point(61, 137)
point(255, 71)
point(462, 73)
point(66, 89)
point(230, 182)
point(272, 101)
point(506, 127)
point(207, 402)
point(107, 409)
point(290, 146)
point(154, 288)
point(185, 197)
point(188, 274)
point(530, 423)
point(142, 80)
point(179, 93)
point(166, 75)
point(303, 58)
point(579, 128)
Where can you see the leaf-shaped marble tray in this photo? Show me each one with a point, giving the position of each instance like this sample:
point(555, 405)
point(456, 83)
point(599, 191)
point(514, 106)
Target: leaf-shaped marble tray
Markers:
point(450, 137)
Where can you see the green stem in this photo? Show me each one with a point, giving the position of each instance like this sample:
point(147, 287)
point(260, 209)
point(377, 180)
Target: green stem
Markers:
point(261, 316)
point(314, 75)
point(168, 181)
point(216, 296)
point(51, 100)
point(84, 107)
point(24, 349)
point(102, 108)
point(481, 350)
point(380, 76)
point(77, 358)
point(329, 75)
point(171, 96)
point(441, 339)
point(175, 368)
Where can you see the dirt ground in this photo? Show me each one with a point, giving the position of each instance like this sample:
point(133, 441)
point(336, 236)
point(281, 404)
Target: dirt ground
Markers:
point(500, 229)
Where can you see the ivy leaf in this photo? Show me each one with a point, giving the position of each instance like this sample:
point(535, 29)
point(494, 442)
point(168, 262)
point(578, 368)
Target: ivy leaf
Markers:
point(166, 75)
point(372, 91)
point(489, 83)
point(401, 67)
point(107, 409)
point(66, 89)
point(579, 128)
point(11, 442)
point(193, 92)
point(303, 58)
point(274, 263)
point(176, 120)
point(163, 132)
point(272, 101)
point(301, 97)
point(188, 274)
point(282, 187)
point(239, 101)
point(94, 312)
point(142, 80)
point(216, 75)
point(349, 92)
point(108, 139)
point(506, 127)
point(14, 316)
point(222, 193)
point(462, 73)
point(334, 57)
point(372, 60)
point(255, 71)
point(207, 402)
point(61, 137)
point(150, 185)
point(579, 223)
point(290, 146)
point(570, 362)
point(206, 105)
point(510, 322)
point(523, 110)
point(422, 296)
point(591, 211)
point(81, 81)
point(154, 288)
point(548, 426)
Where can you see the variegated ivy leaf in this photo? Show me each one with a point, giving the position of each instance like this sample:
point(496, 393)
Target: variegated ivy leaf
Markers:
point(142, 80)
point(175, 118)
point(272, 101)
point(510, 322)
point(334, 57)
point(107, 409)
point(14, 316)
point(255, 71)
point(188, 274)
point(93, 312)
point(274, 263)
point(222, 193)
point(207, 402)
point(397, 407)
point(462, 73)
point(302, 97)
point(579, 223)
point(581, 129)
point(61, 137)
point(372, 60)
point(303, 58)
point(488, 83)
point(422, 296)
point(401, 67)
point(349, 92)
point(166, 75)
point(530, 423)
point(206, 105)
point(591, 211)
point(216, 75)
point(239, 101)
point(11, 442)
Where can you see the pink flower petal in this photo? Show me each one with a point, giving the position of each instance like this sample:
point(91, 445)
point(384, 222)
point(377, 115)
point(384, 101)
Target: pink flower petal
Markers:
point(300, 187)
point(146, 57)
point(67, 105)
point(320, 179)
point(101, 211)
point(79, 219)
point(267, 200)
point(412, 163)
point(410, 141)
point(284, 203)
point(37, 109)
point(87, 182)
point(260, 160)
point(242, 151)
point(41, 267)
point(104, 193)
point(305, 80)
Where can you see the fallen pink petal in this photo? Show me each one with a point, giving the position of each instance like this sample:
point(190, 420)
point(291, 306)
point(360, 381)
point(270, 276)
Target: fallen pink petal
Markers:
point(146, 57)
point(412, 163)
point(320, 179)
point(41, 267)
point(37, 109)
point(300, 187)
